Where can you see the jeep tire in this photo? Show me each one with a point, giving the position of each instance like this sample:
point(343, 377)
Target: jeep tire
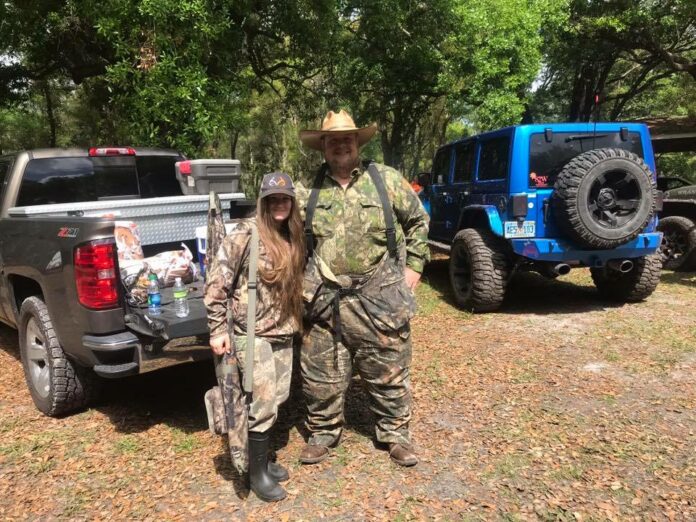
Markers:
point(57, 385)
point(634, 285)
point(478, 270)
point(604, 198)
point(678, 248)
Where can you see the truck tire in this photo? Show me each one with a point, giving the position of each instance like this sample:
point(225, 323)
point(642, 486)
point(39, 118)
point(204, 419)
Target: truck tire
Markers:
point(57, 385)
point(678, 248)
point(635, 285)
point(604, 198)
point(478, 270)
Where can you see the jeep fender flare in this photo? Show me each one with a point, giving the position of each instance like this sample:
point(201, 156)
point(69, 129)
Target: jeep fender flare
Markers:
point(481, 216)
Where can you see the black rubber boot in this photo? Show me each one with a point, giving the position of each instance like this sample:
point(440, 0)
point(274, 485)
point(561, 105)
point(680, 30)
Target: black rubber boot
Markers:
point(278, 472)
point(260, 480)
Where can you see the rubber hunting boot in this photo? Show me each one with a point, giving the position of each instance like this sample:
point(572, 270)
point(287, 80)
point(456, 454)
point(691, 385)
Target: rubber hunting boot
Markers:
point(260, 480)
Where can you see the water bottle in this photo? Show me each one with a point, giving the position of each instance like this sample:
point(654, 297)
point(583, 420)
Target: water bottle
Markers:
point(154, 299)
point(181, 306)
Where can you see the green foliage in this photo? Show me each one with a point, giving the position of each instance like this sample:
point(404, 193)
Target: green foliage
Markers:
point(222, 78)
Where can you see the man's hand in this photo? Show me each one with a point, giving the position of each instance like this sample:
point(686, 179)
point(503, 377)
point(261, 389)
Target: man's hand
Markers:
point(220, 344)
point(412, 278)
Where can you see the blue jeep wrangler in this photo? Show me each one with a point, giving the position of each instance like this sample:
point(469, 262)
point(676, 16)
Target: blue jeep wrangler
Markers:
point(547, 198)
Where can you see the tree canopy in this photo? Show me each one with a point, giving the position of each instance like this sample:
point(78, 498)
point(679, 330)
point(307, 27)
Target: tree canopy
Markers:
point(241, 77)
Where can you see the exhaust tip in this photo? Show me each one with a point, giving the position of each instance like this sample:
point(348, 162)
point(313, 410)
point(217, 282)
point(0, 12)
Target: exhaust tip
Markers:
point(561, 269)
point(621, 265)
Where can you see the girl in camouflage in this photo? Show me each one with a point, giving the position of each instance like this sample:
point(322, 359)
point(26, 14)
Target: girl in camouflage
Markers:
point(278, 315)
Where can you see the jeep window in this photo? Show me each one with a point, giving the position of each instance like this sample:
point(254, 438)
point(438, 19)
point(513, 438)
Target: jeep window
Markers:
point(464, 161)
point(73, 179)
point(546, 159)
point(494, 159)
point(441, 165)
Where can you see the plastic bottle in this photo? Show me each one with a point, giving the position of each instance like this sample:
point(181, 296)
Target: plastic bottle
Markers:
point(181, 306)
point(154, 299)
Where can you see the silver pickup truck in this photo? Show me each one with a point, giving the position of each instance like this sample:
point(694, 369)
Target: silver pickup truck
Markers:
point(59, 270)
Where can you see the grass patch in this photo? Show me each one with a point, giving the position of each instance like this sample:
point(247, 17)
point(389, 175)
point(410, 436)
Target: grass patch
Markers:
point(428, 299)
point(75, 503)
point(341, 455)
point(510, 466)
point(127, 444)
point(568, 472)
point(525, 374)
point(184, 442)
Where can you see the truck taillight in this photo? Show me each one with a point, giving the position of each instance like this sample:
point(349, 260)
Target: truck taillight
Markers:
point(112, 151)
point(184, 167)
point(96, 275)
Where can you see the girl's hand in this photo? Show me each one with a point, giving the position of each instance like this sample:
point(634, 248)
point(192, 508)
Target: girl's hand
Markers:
point(220, 344)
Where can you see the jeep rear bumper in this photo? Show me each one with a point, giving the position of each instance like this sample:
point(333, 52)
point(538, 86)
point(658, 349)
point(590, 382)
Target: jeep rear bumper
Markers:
point(544, 249)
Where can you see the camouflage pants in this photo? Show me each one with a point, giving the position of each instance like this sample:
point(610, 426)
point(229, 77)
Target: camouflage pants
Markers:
point(382, 360)
point(272, 372)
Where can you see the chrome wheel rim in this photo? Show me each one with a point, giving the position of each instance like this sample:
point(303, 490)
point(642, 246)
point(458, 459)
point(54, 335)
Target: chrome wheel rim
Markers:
point(37, 359)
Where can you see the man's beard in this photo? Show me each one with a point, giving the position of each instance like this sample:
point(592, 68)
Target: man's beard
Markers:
point(344, 163)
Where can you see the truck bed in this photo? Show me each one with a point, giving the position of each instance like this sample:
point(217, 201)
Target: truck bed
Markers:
point(159, 220)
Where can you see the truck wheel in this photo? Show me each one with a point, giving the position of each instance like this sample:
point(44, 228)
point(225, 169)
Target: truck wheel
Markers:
point(635, 285)
point(478, 270)
point(604, 198)
point(678, 248)
point(57, 385)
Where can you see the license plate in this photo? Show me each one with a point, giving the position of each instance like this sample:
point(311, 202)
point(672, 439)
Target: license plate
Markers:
point(526, 229)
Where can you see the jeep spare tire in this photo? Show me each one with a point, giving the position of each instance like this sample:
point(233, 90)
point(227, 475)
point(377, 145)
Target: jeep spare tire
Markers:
point(604, 198)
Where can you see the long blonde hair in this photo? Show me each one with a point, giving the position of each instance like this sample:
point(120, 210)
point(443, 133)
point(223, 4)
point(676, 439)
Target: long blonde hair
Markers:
point(285, 246)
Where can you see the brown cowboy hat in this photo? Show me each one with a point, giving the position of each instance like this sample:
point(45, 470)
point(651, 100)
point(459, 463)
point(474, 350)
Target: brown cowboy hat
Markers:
point(337, 123)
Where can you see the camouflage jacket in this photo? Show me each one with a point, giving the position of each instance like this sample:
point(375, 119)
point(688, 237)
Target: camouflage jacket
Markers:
point(349, 225)
point(227, 282)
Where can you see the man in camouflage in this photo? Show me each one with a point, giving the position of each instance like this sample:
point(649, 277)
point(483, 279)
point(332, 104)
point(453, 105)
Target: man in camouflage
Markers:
point(372, 296)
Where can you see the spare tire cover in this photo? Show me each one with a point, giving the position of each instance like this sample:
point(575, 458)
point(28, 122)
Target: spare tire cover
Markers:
point(604, 198)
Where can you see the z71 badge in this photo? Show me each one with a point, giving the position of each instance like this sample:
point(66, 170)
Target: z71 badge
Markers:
point(68, 232)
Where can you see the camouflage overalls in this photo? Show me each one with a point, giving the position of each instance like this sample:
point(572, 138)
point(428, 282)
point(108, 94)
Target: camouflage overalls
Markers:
point(374, 338)
point(227, 286)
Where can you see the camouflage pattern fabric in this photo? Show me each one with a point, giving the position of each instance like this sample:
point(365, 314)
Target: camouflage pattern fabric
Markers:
point(358, 306)
point(381, 358)
point(216, 227)
point(272, 373)
point(349, 224)
point(236, 409)
point(232, 404)
point(227, 281)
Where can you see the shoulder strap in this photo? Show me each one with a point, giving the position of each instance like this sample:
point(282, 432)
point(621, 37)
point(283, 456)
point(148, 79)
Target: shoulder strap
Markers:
point(311, 207)
point(251, 308)
point(386, 208)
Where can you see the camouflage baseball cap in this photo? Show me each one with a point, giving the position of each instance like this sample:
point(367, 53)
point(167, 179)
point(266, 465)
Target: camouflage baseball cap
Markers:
point(277, 183)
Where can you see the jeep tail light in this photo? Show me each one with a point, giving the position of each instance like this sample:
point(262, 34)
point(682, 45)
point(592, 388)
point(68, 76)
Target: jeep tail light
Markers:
point(96, 275)
point(112, 151)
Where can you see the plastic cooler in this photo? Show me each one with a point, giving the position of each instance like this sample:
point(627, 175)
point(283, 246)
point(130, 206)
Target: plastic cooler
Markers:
point(201, 242)
point(203, 175)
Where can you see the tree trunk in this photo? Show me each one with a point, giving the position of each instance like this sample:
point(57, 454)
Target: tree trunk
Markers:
point(234, 138)
point(590, 78)
point(50, 114)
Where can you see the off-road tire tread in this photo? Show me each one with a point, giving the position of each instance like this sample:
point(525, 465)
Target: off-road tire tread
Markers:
point(688, 262)
point(565, 195)
point(73, 387)
point(634, 286)
point(489, 267)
